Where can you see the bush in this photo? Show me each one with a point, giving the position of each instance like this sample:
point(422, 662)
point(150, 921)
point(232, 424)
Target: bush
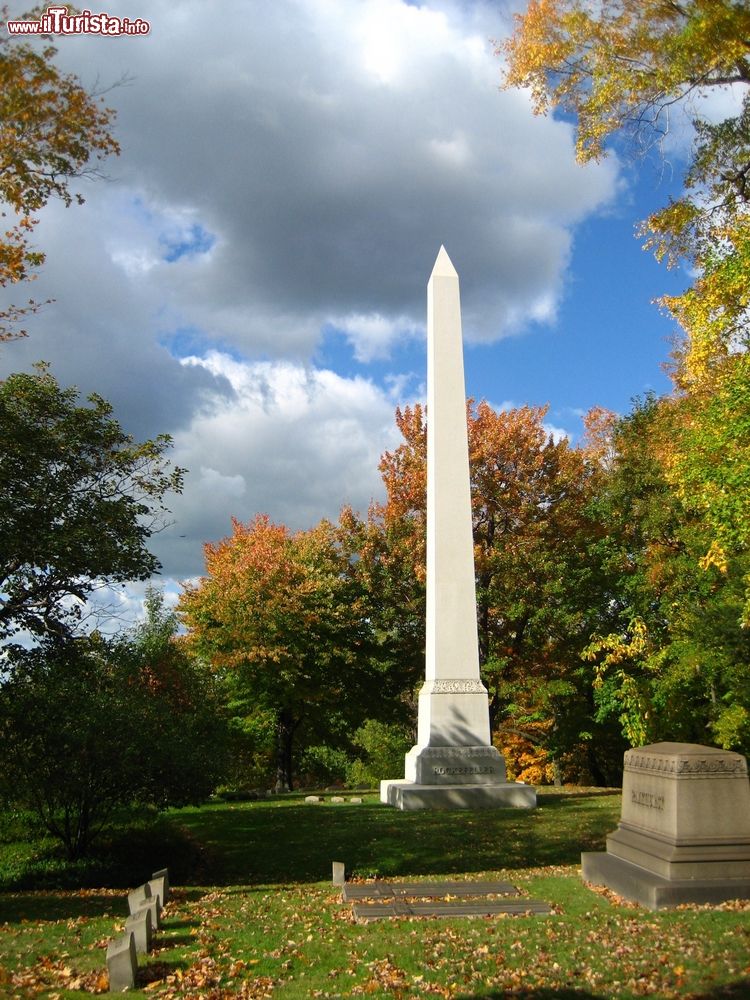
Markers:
point(323, 765)
point(384, 745)
point(86, 726)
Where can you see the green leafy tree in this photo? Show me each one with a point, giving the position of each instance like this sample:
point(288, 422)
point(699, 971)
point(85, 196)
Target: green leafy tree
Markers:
point(88, 726)
point(185, 691)
point(381, 747)
point(672, 662)
point(78, 501)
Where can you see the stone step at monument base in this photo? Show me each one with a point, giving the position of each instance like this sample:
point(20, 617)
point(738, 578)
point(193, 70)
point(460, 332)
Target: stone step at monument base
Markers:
point(653, 891)
point(420, 890)
point(366, 912)
point(405, 794)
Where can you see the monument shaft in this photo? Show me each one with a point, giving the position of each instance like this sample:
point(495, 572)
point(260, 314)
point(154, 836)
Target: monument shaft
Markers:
point(453, 765)
point(453, 706)
point(451, 637)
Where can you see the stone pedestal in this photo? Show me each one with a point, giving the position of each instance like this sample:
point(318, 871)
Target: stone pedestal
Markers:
point(453, 765)
point(684, 831)
point(409, 795)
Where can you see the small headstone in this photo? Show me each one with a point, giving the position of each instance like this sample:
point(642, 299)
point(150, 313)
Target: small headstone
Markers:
point(137, 897)
point(152, 905)
point(684, 831)
point(122, 963)
point(163, 873)
point(339, 873)
point(357, 801)
point(156, 885)
point(313, 798)
point(338, 798)
point(141, 929)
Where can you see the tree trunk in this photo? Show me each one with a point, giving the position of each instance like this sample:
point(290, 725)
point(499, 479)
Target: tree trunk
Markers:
point(494, 708)
point(596, 772)
point(285, 729)
point(557, 772)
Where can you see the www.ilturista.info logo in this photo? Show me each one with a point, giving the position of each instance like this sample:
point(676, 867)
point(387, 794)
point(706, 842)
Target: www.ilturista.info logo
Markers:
point(57, 21)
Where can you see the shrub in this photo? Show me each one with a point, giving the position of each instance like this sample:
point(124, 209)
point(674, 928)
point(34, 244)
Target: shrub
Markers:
point(87, 726)
point(384, 745)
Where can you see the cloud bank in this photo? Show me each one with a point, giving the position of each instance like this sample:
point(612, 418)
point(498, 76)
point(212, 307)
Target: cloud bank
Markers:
point(285, 184)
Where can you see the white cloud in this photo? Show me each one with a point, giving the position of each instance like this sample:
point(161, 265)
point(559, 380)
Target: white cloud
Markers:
point(372, 336)
point(294, 442)
point(282, 175)
point(331, 147)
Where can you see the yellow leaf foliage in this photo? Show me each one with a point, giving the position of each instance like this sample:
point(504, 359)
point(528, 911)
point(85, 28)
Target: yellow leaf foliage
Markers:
point(618, 63)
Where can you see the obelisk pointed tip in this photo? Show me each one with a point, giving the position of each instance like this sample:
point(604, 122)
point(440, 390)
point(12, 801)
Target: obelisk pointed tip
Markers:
point(443, 267)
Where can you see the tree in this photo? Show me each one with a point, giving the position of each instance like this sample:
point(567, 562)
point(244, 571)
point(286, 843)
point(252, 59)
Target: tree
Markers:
point(620, 67)
point(282, 615)
point(536, 594)
point(78, 501)
point(672, 661)
point(620, 64)
point(185, 702)
point(52, 132)
point(88, 725)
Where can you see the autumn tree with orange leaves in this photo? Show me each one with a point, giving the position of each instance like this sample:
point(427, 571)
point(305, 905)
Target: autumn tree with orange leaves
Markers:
point(536, 601)
point(52, 131)
point(282, 615)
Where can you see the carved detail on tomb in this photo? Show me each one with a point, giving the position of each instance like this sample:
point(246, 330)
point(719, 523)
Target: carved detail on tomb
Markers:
point(460, 752)
point(459, 685)
point(685, 765)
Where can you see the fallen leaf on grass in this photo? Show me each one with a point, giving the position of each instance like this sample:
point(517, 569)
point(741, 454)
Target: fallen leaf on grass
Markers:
point(48, 974)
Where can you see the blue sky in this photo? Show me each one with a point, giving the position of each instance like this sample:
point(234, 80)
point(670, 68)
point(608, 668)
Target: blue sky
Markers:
point(609, 341)
point(251, 275)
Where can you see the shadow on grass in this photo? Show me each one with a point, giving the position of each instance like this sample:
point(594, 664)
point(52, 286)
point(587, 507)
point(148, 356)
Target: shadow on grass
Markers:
point(543, 993)
point(733, 991)
point(166, 944)
point(122, 857)
point(287, 840)
point(69, 905)
point(157, 970)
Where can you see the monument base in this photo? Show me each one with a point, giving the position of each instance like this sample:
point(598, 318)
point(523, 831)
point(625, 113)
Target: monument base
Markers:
point(652, 890)
point(407, 795)
point(684, 830)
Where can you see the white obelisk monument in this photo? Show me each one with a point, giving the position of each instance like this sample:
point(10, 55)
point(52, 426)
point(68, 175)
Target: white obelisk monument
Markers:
point(453, 765)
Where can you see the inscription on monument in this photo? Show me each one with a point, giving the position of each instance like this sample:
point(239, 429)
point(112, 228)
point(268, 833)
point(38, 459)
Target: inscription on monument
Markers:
point(648, 799)
point(464, 770)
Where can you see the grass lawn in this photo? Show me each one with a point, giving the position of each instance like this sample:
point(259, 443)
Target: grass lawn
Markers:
point(258, 917)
